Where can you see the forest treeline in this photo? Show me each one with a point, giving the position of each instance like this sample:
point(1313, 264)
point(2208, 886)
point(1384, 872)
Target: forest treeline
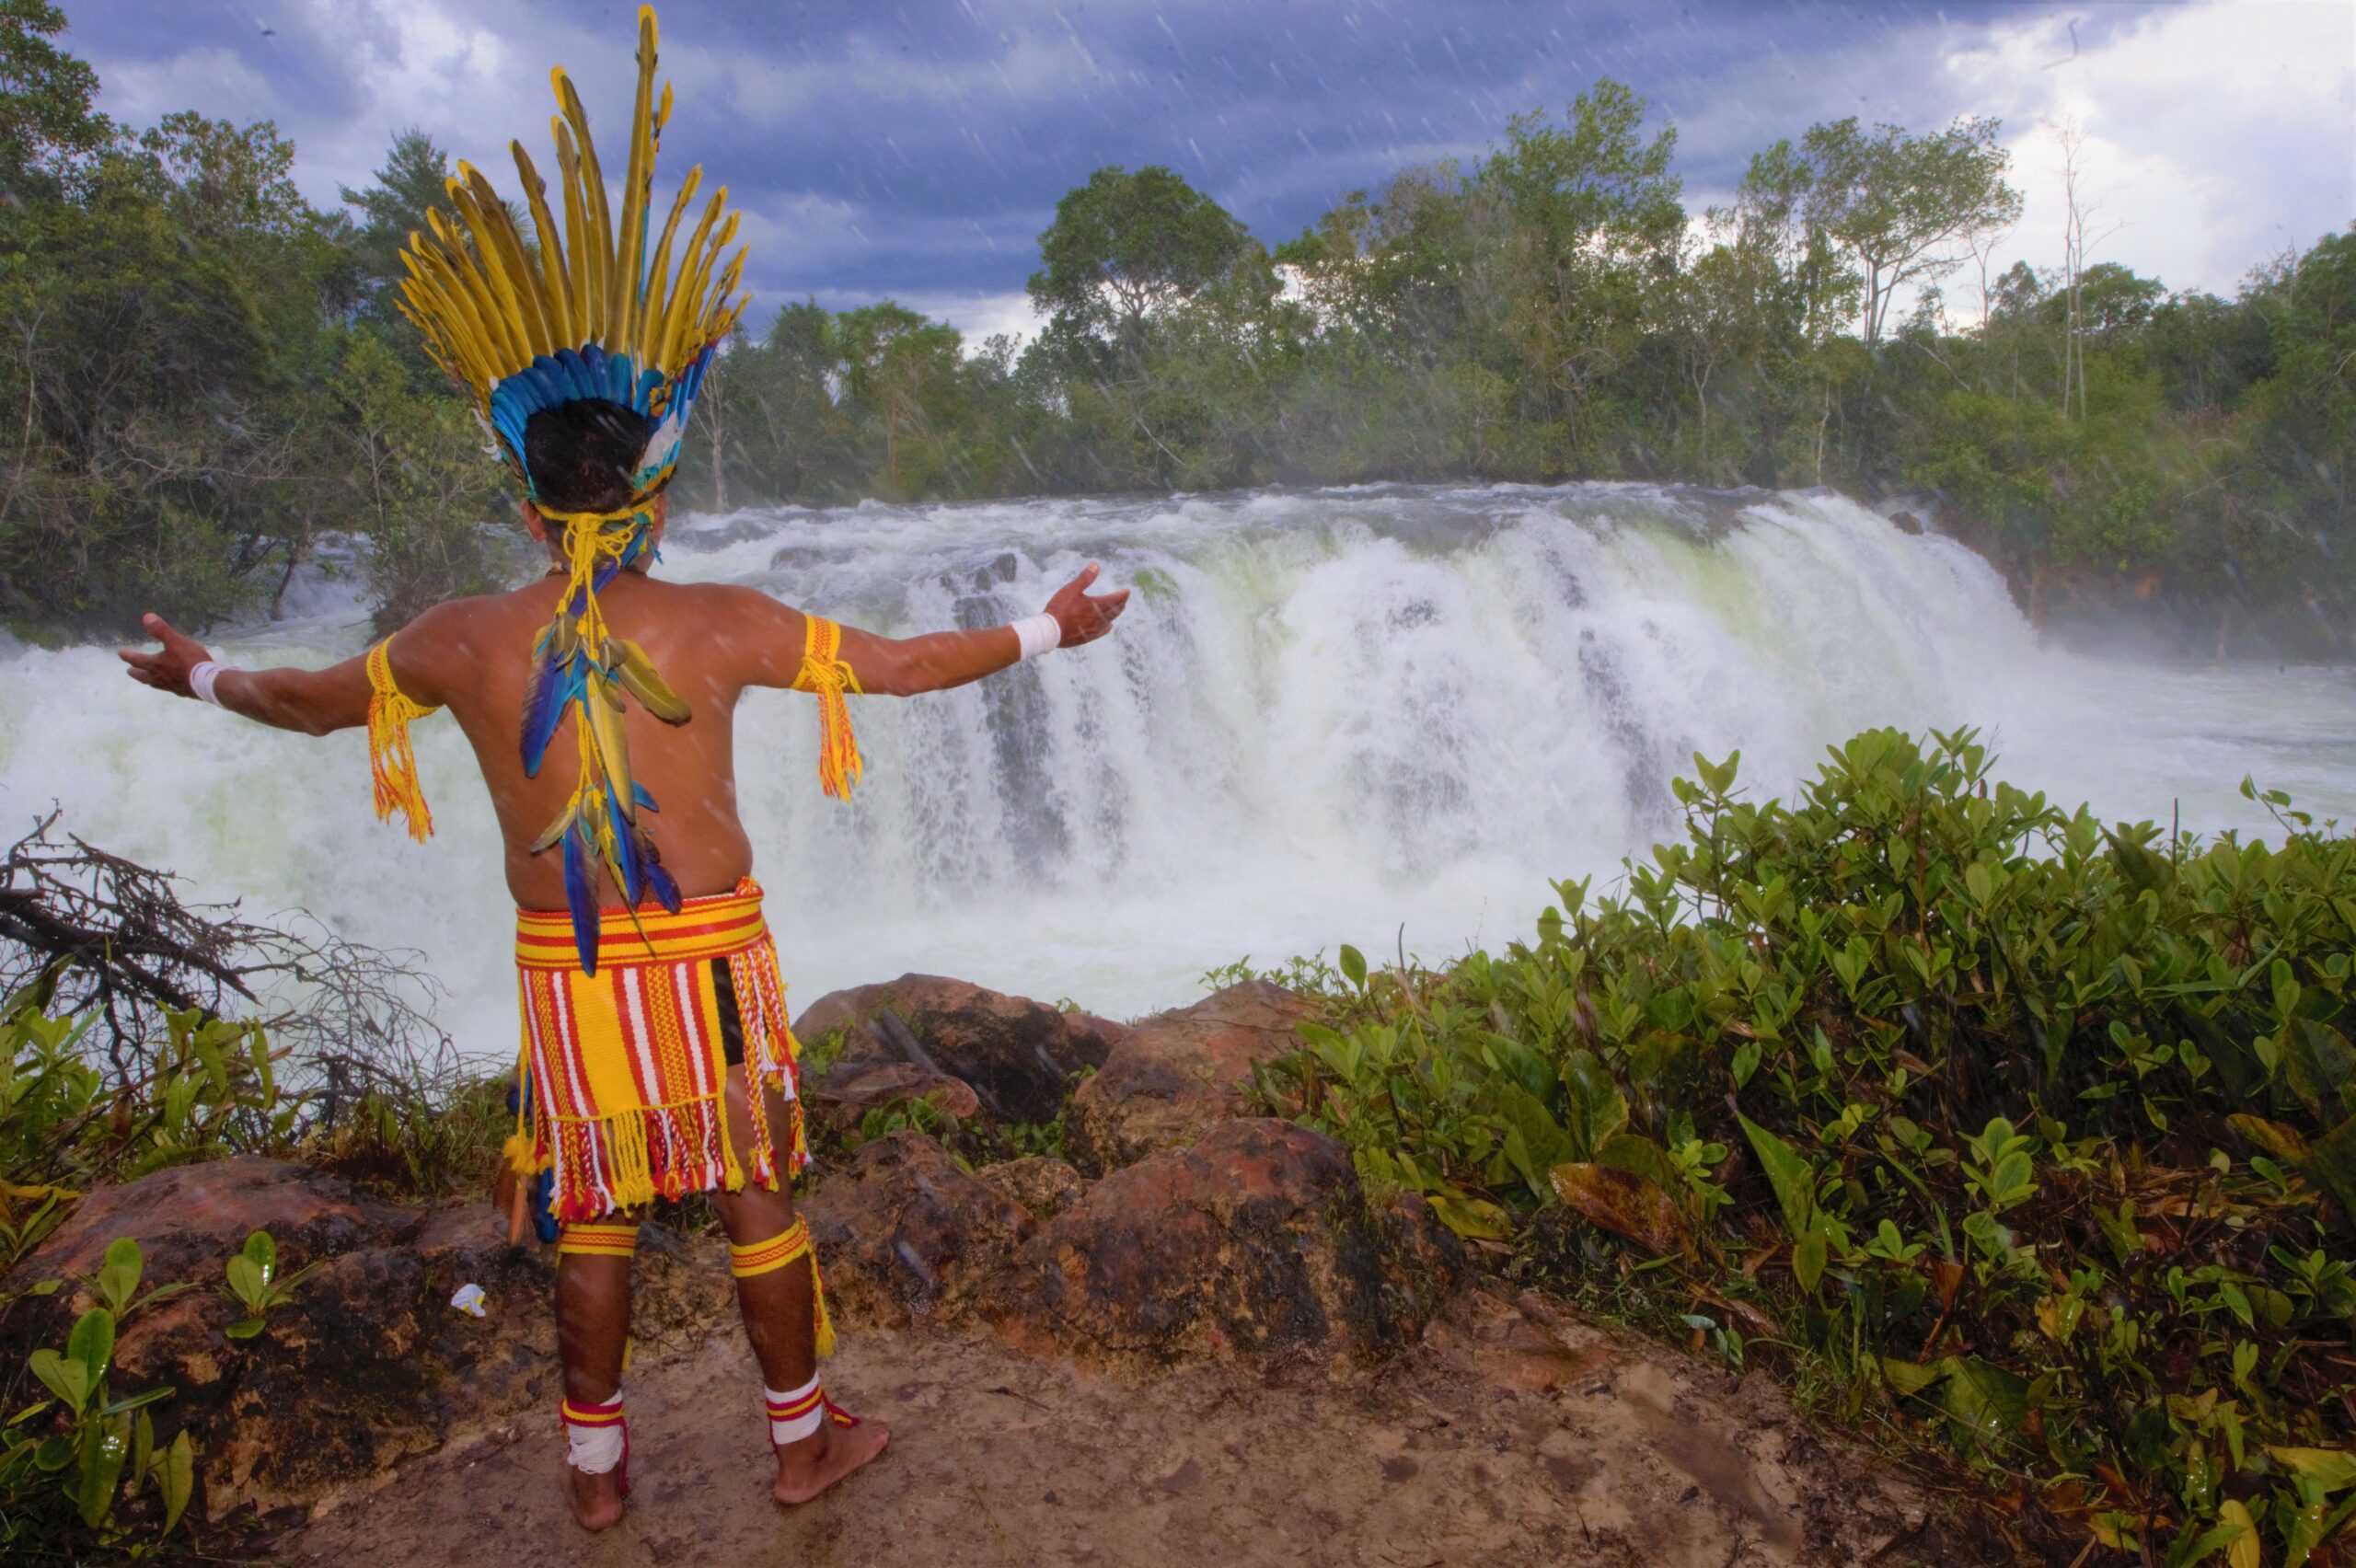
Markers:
point(204, 380)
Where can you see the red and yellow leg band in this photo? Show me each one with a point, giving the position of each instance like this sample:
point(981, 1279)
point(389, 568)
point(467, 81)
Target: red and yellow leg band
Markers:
point(757, 1258)
point(598, 1238)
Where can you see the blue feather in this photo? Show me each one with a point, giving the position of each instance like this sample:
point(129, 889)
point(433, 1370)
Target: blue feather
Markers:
point(639, 794)
point(581, 897)
point(666, 887)
point(545, 696)
point(626, 846)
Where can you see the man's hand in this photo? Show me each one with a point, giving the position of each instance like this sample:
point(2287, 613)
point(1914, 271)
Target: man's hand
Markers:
point(1085, 618)
point(166, 671)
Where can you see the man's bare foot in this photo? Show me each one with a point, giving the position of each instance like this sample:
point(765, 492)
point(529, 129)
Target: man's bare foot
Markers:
point(809, 1466)
point(596, 1499)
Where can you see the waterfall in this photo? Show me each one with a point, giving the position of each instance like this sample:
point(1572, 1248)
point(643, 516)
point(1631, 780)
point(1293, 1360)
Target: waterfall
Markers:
point(1327, 715)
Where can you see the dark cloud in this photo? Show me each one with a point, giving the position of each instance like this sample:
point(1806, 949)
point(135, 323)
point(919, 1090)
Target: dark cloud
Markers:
point(918, 148)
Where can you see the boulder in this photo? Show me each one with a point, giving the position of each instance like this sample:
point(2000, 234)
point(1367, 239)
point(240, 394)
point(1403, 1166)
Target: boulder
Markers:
point(1018, 1054)
point(1040, 1184)
point(1177, 1072)
point(847, 1093)
point(906, 1235)
point(1254, 1239)
point(368, 1363)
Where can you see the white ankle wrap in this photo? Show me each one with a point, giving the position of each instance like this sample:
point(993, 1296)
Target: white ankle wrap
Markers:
point(595, 1436)
point(795, 1416)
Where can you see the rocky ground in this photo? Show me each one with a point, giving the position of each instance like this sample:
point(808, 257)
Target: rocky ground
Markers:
point(1195, 1338)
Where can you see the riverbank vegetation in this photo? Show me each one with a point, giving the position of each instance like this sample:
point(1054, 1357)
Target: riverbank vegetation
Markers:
point(206, 377)
point(1979, 1121)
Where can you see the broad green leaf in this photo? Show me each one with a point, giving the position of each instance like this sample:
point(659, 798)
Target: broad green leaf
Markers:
point(263, 1250)
point(2245, 1549)
point(92, 1343)
point(1911, 1376)
point(1809, 1255)
point(1634, 1152)
point(1353, 965)
point(1985, 1399)
point(104, 1446)
point(1788, 1171)
point(1534, 1141)
point(246, 1280)
point(2333, 1469)
point(1475, 1217)
point(69, 1380)
point(177, 1475)
point(1593, 1107)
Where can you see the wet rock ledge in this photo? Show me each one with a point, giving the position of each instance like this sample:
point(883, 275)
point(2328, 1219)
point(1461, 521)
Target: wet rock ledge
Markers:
point(1178, 1228)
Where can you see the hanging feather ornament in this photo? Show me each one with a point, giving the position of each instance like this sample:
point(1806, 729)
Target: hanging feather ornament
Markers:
point(593, 315)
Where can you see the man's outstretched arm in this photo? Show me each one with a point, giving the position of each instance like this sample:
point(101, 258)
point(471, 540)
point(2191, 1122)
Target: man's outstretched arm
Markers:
point(936, 661)
point(313, 702)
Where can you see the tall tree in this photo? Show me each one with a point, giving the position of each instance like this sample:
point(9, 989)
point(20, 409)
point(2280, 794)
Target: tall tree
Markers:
point(1905, 209)
point(46, 121)
point(1125, 245)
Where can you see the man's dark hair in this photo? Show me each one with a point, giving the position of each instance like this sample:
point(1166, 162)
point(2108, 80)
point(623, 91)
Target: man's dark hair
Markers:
point(581, 455)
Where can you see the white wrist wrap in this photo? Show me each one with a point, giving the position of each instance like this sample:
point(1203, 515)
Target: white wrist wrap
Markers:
point(201, 679)
point(1039, 634)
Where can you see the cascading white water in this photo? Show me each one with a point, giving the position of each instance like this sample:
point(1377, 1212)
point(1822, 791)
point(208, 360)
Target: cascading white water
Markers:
point(1326, 714)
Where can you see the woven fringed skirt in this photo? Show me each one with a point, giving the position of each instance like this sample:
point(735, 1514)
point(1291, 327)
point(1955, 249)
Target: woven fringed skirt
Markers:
point(624, 1071)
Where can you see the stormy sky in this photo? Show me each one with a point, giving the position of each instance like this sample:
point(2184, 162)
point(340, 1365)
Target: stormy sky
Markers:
point(917, 149)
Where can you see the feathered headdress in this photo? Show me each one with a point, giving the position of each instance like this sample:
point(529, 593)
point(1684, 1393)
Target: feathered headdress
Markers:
point(590, 315)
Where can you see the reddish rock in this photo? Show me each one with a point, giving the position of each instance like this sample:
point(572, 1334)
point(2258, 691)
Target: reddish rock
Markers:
point(1044, 1187)
point(849, 1092)
point(368, 1363)
point(1178, 1072)
point(1018, 1054)
point(905, 1234)
point(1257, 1239)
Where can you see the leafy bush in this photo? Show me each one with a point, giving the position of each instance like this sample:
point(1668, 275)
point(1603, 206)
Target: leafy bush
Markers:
point(1999, 1124)
point(68, 1120)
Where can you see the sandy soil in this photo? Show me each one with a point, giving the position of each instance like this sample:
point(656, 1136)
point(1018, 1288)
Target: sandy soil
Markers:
point(1512, 1435)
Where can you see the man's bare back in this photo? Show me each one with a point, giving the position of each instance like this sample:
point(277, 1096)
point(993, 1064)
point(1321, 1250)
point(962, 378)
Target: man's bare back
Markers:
point(712, 642)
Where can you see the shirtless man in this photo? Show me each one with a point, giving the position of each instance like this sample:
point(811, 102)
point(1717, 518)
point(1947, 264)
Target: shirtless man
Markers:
point(712, 642)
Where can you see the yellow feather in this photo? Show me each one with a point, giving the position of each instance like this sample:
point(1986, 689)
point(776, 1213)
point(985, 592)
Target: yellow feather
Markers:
point(685, 302)
point(605, 287)
point(512, 272)
point(638, 183)
point(500, 336)
point(517, 301)
point(658, 277)
point(556, 289)
point(576, 235)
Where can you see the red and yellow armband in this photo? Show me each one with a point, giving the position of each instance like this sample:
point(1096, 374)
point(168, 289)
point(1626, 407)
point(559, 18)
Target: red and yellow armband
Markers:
point(827, 674)
point(392, 766)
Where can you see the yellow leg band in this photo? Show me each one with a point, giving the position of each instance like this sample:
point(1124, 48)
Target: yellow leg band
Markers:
point(758, 1258)
point(599, 1239)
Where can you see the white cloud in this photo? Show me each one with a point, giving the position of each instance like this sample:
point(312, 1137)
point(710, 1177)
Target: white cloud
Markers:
point(138, 93)
point(2216, 135)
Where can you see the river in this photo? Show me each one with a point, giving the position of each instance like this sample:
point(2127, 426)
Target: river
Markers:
point(1327, 715)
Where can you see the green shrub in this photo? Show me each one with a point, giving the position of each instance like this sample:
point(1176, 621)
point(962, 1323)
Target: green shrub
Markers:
point(73, 1456)
point(2003, 1124)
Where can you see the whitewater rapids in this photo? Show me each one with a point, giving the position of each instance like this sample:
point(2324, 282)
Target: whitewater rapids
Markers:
point(1327, 714)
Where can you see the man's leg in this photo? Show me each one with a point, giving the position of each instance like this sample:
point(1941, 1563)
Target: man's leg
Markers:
point(592, 1331)
point(780, 1321)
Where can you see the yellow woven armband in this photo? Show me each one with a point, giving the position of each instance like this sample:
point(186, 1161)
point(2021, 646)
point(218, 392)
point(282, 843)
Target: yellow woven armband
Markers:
point(392, 766)
point(824, 671)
